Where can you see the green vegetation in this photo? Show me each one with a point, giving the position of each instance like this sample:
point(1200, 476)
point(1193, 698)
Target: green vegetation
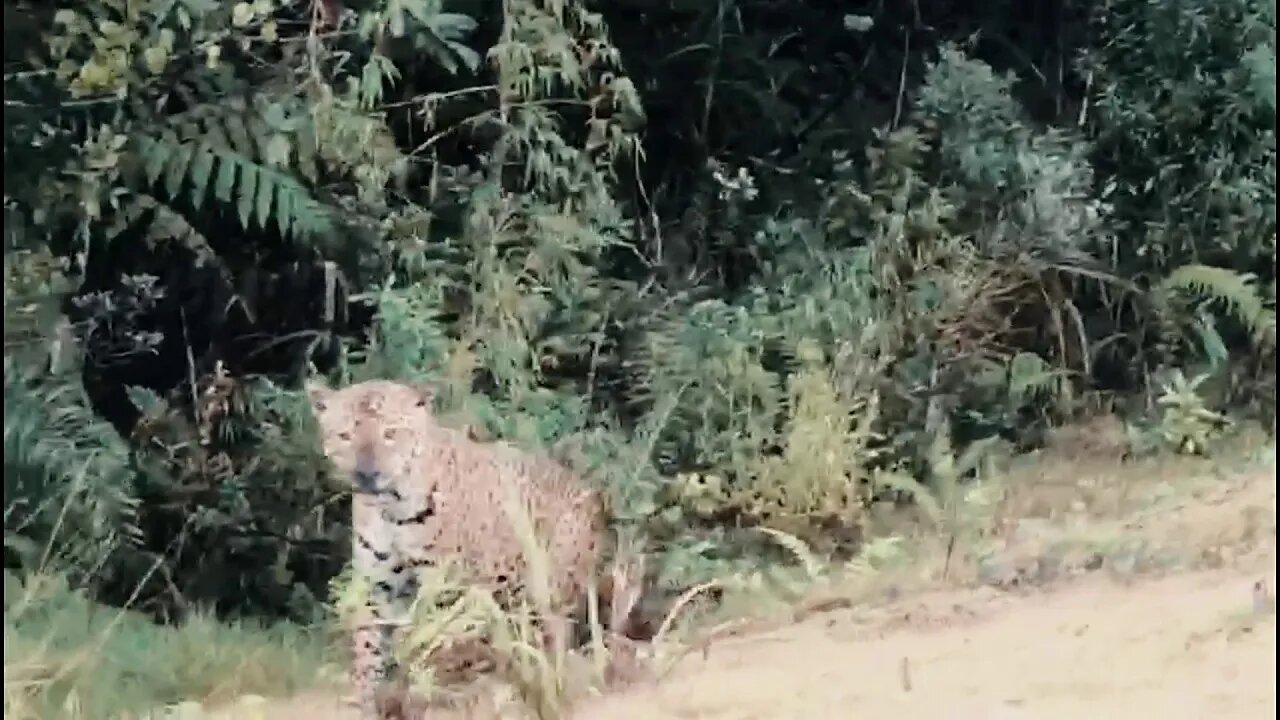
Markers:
point(66, 656)
point(750, 266)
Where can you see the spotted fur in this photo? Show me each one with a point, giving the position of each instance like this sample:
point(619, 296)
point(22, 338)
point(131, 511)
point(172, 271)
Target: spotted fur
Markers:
point(422, 492)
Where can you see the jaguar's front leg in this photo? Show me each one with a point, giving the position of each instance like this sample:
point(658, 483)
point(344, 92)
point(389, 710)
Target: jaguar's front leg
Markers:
point(374, 665)
point(374, 633)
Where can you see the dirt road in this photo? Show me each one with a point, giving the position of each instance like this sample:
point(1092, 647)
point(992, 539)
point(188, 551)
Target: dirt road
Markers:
point(1189, 646)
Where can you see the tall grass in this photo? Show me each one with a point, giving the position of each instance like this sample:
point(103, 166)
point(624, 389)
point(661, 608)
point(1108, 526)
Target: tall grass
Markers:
point(66, 656)
point(456, 629)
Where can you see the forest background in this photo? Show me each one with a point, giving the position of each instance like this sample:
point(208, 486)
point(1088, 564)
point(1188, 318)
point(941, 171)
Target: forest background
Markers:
point(744, 263)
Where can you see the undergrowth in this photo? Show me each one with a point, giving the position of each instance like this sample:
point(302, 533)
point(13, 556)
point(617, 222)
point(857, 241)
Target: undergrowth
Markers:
point(66, 656)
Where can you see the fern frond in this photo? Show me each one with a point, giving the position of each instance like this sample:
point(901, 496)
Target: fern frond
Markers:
point(919, 492)
point(798, 548)
point(1030, 376)
point(1237, 293)
point(225, 158)
point(162, 221)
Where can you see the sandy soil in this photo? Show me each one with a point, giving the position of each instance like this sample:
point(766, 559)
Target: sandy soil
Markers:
point(1189, 646)
point(1194, 644)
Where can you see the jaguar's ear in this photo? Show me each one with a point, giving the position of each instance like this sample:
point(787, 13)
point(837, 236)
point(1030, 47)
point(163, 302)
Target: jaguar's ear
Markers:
point(318, 395)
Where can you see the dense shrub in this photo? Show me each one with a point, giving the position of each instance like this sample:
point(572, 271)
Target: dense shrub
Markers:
point(733, 265)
